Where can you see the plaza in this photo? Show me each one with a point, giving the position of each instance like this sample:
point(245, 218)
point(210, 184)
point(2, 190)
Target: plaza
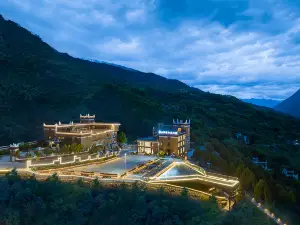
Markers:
point(118, 166)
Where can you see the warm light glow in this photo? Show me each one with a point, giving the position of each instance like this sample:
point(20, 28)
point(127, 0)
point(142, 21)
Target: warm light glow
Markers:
point(82, 124)
point(167, 132)
point(58, 160)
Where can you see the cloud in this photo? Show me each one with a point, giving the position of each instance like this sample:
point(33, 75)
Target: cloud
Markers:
point(137, 15)
point(244, 48)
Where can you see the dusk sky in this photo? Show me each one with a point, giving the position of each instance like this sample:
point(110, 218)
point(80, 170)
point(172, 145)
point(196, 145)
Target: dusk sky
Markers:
point(237, 47)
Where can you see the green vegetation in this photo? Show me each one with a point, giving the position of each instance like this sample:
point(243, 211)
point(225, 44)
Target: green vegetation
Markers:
point(54, 202)
point(96, 149)
point(33, 76)
point(69, 149)
point(121, 138)
point(269, 187)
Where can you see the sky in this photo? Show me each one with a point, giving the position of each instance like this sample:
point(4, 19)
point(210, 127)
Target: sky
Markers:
point(249, 49)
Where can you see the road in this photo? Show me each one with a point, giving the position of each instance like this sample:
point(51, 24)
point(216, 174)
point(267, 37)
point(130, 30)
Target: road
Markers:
point(267, 212)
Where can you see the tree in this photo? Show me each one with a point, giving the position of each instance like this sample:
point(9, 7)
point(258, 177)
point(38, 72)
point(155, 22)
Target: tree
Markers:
point(53, 178)
point(80, 182)
point(161, 153)
point(121, 138)
point(79, 148)
point(96, 183)
point(37, 155)
point(17, 154)
point(247, 179)
point(262, 191)
point(184, 192)
point(65, 149)
point(73, 148)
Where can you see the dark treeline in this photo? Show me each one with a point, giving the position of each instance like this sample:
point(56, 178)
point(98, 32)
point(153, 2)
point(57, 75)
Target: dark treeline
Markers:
point(53, 202)
point(269, 187)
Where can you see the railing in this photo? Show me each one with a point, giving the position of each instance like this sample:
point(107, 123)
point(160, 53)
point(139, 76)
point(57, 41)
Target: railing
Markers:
point(58, 160)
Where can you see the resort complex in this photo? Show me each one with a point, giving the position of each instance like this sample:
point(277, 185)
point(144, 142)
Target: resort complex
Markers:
point(167, 139)
point(87, 133)
point(158, 160)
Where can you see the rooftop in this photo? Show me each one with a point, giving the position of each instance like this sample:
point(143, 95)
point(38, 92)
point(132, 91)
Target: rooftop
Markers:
point(148, 139)
point(169, 130)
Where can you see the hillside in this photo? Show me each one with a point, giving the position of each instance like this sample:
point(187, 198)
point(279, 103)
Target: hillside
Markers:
point(262, 102)
point(290, 105)
point(39, 84)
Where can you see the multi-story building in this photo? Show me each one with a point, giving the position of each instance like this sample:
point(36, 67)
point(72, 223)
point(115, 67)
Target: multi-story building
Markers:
point(149, 145)
point(185, 126)
point(172, 140)
point(87, 132)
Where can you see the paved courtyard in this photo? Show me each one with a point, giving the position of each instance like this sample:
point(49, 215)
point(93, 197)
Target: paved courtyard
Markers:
point(118, 166)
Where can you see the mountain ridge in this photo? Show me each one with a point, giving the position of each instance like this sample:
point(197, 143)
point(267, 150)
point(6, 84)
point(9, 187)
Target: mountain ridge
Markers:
point(270, 103)
point(290, 105)
point(40, 84)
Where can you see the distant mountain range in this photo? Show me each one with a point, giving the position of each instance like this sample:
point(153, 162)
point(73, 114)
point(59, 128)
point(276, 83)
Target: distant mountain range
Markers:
point(290, 105)
point(262, 102)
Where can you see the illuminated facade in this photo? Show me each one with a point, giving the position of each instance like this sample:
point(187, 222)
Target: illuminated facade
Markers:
point(185, 126)
point(148, 145)
point(172, 140)
point(87, 132)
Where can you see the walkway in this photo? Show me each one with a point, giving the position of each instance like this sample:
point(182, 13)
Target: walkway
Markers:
point(267, 212)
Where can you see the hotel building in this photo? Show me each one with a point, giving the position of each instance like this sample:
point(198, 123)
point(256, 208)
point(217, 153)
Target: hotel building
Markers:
point(87, 132)
point(185, 127)
point(172, 140)
point(149, 145)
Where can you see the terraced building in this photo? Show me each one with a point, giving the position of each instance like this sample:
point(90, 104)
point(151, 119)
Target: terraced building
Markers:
point(87, 132)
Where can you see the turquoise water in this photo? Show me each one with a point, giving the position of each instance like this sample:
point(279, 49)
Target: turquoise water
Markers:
point(179, 170)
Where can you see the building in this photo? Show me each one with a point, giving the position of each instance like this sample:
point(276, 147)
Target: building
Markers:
point(263, 164)
point(87, 132)
point(290, 173)
point(185, 126)
point(149, 145)
point(172, 140)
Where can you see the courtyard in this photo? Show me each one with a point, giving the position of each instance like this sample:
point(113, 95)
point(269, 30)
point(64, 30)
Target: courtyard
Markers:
point(117, 166)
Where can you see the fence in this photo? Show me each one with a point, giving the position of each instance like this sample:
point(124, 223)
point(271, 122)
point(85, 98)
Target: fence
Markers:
point(64, 160)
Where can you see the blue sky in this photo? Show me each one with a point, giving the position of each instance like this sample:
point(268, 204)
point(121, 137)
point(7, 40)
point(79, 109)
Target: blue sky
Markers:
point(237, 47)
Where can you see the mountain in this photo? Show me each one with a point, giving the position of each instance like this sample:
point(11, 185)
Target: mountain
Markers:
point(116, 65)
point(262, 102)
point(290, 105)
point(39, 84)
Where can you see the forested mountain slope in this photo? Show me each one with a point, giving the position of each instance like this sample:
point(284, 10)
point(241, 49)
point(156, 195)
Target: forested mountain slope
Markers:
point(39, 84)
point(290, 105)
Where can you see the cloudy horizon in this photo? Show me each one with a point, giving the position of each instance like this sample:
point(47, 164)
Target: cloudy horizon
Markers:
point(248, 49)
